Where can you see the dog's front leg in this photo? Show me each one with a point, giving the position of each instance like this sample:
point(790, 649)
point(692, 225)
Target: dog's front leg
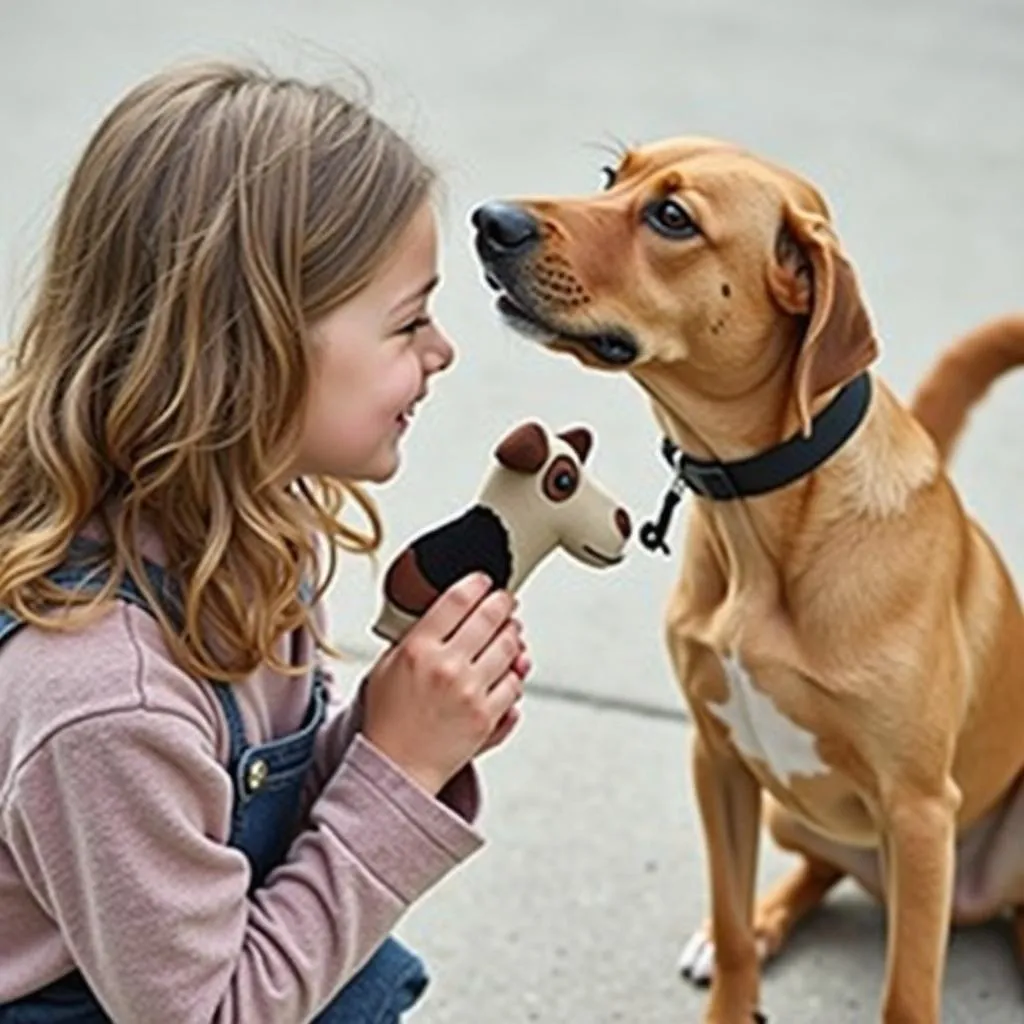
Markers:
point(919, 857)
point(729, 798)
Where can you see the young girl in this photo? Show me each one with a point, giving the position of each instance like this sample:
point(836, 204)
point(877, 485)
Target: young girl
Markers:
point(231, 332)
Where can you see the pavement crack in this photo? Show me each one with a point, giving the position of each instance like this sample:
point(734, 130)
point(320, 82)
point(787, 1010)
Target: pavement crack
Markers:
point(568, 695)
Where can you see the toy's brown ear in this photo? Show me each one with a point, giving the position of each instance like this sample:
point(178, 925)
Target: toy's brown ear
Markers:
point(810, 274)
point(580, 439)
point(525, 449)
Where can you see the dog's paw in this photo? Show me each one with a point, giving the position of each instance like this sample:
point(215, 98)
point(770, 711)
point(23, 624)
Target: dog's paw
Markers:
point(697, 960)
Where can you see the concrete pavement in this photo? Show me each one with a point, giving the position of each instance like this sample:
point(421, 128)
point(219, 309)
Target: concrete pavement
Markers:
point(909, 117)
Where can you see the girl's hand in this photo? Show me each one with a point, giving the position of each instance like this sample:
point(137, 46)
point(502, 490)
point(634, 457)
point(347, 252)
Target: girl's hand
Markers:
point(442, 693)
point(510, 719)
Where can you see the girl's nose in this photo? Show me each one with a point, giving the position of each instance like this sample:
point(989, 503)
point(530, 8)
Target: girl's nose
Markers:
point(440, 354)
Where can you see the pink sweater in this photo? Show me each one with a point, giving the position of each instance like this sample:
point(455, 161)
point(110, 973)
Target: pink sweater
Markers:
point(114, 815)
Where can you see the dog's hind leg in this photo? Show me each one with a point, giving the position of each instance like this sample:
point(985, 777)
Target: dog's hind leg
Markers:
point(790, 900)
point(793, 836)
point(822, 865)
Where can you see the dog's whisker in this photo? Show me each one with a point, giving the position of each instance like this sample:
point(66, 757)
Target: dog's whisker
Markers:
point(614, 147)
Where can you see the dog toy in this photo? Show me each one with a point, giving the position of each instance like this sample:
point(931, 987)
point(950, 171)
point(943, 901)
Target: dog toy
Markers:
point(536, 499)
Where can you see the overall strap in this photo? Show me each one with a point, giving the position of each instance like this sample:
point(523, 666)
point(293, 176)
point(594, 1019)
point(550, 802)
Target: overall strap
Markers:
point(78, 574)
point(81, 571)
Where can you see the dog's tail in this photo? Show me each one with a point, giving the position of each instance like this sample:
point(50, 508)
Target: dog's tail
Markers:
point(963, 374)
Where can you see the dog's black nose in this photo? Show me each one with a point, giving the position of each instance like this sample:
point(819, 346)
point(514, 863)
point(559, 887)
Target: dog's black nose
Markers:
point(504, 229)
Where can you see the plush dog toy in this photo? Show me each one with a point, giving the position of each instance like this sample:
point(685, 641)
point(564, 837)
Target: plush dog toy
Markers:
point(536, 499)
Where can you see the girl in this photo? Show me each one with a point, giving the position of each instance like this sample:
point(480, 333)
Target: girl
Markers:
point(231, 332)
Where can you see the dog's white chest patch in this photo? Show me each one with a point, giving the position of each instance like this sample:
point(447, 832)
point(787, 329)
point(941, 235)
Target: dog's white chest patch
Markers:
point(759, 730)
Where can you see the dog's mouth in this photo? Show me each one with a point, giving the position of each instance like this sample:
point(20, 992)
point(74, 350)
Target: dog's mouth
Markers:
point(615, 347)
point(600, 557)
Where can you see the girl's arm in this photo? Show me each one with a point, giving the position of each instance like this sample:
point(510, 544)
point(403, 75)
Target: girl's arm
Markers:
point(118, 821)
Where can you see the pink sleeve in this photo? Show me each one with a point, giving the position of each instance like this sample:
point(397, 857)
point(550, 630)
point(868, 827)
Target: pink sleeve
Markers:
point(111, 822)
point(461, 793)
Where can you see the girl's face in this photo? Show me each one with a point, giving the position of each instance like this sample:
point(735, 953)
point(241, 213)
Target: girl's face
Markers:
point(373, 359)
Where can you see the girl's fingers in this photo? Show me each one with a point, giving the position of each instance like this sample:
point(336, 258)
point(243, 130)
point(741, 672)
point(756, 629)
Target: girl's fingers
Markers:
point(444, 617)
point(499, 656)
point(487, 621)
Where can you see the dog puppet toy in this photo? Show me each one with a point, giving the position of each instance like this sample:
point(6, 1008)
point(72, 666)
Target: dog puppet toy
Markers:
point(536, 499)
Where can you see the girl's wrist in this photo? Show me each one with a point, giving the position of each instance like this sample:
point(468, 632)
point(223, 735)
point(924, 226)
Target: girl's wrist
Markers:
point(429, 779)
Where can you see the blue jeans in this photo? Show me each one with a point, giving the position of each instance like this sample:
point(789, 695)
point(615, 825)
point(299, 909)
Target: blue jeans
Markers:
point(390, 982)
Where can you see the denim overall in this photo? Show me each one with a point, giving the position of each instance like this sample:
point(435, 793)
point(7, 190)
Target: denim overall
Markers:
point(267, 781)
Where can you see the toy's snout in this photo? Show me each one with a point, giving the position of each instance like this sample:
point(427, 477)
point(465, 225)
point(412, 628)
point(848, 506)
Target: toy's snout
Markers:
point(599, 529)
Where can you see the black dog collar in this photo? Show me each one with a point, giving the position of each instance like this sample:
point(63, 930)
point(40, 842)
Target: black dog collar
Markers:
point(767, 471)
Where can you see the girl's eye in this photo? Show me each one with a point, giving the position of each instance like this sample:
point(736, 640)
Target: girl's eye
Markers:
point(413, 326)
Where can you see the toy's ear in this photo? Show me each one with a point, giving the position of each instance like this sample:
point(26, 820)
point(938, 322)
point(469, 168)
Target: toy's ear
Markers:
point(525, 449)
point(580, 439)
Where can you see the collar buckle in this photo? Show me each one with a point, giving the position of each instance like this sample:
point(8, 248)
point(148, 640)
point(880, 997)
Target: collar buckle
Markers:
point(709, 481)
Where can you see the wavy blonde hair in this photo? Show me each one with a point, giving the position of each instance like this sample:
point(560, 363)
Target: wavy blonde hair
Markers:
point(160, 379)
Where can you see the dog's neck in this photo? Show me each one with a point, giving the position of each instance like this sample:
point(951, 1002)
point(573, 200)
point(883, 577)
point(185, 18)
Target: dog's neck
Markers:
point(708, 424)
point(769, 537)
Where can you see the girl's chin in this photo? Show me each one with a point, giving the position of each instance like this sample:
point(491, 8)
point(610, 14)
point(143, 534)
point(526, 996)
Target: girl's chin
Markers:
point(378, 468)
point(384, 467)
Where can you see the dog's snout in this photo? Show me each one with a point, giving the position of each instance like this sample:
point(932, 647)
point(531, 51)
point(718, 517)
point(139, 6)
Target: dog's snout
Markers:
point(504, 229)
point(624, 523)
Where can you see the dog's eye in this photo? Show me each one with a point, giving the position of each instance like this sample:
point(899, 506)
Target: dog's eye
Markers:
point(608, 177)
point(669, 219)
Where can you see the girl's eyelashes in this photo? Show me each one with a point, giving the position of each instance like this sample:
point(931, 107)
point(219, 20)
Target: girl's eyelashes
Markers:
point(415, 325)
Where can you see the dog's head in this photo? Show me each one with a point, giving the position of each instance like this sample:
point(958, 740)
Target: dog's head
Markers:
point(697, 255)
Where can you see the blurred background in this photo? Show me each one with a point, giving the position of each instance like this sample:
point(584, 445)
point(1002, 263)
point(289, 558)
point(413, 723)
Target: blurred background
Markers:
point(907, 115)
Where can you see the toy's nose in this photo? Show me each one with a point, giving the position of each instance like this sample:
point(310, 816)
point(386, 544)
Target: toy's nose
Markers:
point(624, 523)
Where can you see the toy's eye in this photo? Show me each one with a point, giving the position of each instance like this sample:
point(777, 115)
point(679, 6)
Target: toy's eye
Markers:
point(608, 177)
point(561, 480)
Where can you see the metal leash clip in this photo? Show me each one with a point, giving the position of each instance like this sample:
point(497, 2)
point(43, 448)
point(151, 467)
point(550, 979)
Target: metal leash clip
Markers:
point(654, 531)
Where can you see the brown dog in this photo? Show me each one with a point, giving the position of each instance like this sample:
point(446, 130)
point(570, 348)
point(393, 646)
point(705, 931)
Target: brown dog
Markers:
point(849, 642)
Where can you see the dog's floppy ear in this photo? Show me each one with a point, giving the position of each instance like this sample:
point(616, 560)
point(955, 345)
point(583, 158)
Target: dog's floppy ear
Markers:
point(525, 449)
point(809, 274)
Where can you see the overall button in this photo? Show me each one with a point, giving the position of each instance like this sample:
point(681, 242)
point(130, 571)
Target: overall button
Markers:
point(256, 775)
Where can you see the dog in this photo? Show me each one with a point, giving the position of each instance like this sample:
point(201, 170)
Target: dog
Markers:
point(537, 498)
point(848, 640)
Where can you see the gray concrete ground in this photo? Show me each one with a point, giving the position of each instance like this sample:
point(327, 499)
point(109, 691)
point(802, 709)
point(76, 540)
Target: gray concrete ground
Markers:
point(909, 117)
